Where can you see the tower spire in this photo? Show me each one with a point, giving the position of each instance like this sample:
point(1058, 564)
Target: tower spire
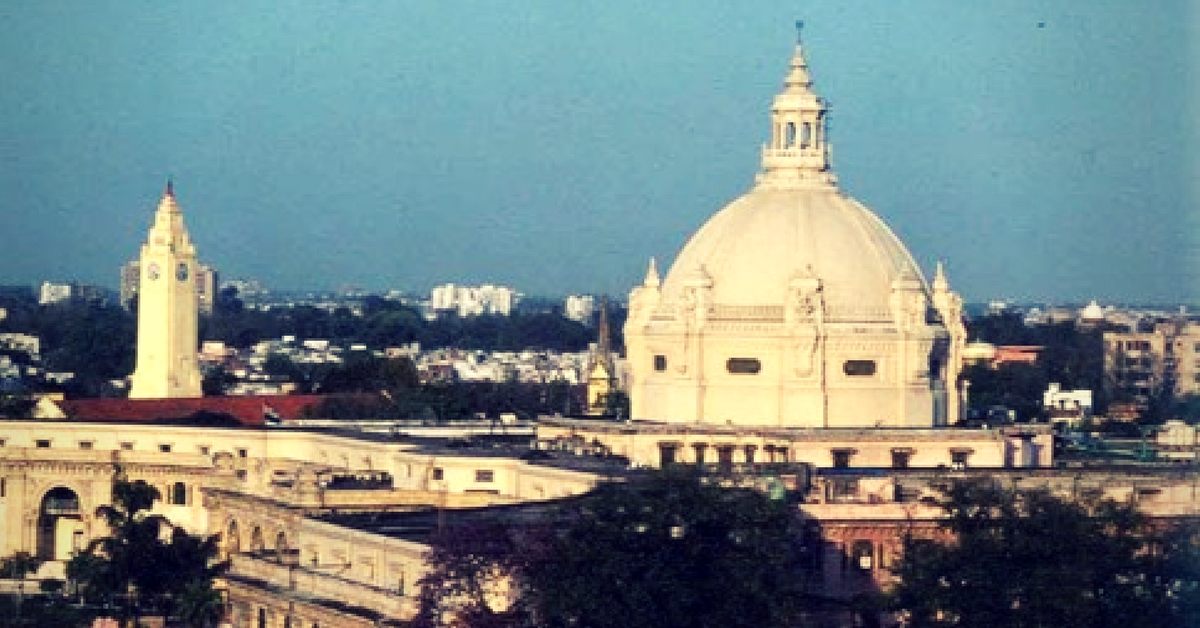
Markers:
point(604, 338)
point(170, 188)
point(940, 283)
point(651, 280)
point(798, 153)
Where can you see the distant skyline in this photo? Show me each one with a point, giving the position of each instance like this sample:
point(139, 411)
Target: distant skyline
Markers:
point(1045, 150)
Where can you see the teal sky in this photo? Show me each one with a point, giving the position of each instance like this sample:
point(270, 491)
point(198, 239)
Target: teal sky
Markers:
point(1045, 150)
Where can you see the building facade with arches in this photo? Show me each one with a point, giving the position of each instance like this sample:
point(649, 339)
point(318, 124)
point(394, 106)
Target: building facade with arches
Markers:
point(270, 494)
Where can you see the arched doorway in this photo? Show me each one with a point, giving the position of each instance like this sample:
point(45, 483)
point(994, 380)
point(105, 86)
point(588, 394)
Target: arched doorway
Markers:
point(59, 527)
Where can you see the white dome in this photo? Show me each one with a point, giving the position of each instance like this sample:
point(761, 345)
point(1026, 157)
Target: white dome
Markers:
point(1093, 312)
point(752, 249)
point(795, 306)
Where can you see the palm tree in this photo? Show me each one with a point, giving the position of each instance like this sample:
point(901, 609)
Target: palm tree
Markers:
point(17, 567)
point(134, 562)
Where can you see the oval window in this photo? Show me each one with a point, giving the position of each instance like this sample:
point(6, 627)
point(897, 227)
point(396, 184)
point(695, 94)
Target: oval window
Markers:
point(859, 368)
point(749, 366)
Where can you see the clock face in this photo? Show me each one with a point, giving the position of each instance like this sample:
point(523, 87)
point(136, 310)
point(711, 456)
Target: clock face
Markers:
point(152, 270)
point(181, 273)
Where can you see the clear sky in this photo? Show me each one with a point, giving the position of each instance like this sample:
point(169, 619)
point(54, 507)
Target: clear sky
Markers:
point(1045, 150)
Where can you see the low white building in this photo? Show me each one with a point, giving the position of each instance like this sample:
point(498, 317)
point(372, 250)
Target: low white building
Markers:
point(54, 293)
point(1067, 405)
point(579, 307)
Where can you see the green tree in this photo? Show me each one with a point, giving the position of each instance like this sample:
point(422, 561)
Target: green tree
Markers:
point(672, 549)
point(17, 567)
point(134, 564)
point(1029, 559)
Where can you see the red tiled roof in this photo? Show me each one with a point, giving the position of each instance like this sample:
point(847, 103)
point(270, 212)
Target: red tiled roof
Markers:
point(247, 410)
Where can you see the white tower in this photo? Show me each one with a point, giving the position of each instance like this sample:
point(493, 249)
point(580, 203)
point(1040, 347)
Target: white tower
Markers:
point(167, 310)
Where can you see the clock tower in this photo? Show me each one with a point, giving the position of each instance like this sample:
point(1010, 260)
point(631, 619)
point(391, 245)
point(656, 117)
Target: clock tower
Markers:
point(167, 310)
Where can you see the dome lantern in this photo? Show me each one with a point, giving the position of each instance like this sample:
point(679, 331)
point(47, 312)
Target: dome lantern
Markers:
point(798, 153)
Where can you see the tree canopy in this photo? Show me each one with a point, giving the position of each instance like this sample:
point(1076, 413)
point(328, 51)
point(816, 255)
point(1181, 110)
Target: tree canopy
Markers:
point(136, 563)
point(673, 549)
point(1028, 559)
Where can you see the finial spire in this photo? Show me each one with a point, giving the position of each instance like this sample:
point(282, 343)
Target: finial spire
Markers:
point(170, 188)
point(652, 279)
point(799, 32)
point(940, 283)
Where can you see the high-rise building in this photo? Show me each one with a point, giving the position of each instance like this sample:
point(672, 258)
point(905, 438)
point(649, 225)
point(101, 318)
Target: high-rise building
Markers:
point(167, 309)
point(52, 293)
point(473, 300)
point(1140, 366)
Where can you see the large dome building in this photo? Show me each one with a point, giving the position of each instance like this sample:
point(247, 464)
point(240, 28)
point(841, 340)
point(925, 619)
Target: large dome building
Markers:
point(795, 328)
point(795, 305)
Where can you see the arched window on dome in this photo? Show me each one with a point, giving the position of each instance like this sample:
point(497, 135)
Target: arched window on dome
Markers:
point(806, 135)
point(789, 135)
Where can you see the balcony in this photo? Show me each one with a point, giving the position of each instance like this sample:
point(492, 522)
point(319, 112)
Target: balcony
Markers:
point(60, 507)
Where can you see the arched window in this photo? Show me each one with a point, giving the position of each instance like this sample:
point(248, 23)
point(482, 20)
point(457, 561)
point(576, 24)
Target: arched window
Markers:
point(256, 540)
point(281, 546)
point(179, 494)
point(789, 135)
point(806, 135)
point(233, 543)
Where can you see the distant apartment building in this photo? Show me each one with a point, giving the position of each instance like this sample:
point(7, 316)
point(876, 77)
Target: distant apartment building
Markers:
point(246, 288)
point(54, 293)
point(473, 300)
point(207, 282)
point(51, 293)
point(1143, 364)
point(579, 307)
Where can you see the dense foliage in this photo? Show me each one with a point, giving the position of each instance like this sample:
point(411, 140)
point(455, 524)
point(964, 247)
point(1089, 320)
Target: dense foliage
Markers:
point(140, 570)
point(667, 550)
point(389, 323)
point(94, 341)
point(1029, 559)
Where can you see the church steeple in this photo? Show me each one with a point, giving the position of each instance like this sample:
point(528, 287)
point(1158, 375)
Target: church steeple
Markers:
point(798, 153)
